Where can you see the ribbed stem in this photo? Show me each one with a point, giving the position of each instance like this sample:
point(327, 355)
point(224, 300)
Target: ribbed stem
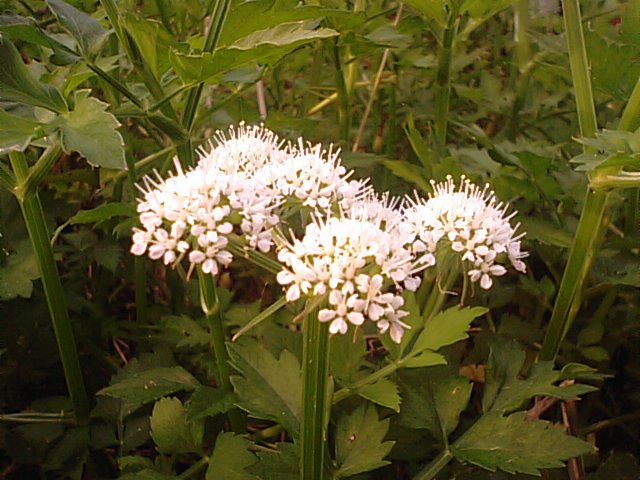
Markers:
point(39, 235)
point(583, 248)
point(443, 78)
point(211, 308)
point(315, 373)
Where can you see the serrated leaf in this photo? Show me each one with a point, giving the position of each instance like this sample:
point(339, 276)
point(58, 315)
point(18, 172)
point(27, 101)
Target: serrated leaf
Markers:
point(208, 402)
point(281, 465)
point(425, 359)
point(18, 273)
point(516, 445)
point(103, 212)
point(359, 442)
point(153, 41)
point(92, 132)
point(409, 172)
point(87, 31)
point(446, 328)
point(16, 132)
point(264, 46)
point(269, 388)
point(172, 431)
point(346, 357)
point(505, 391)
point(18, 85)
point(383, 392)
point(230, 459)
point(186, 332)
point(139, 388)
point(433, 399)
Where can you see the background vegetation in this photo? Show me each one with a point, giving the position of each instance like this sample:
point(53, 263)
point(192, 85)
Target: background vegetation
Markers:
point(106, 368)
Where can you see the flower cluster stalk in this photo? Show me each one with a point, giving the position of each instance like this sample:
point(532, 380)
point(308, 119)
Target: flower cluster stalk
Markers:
point(39, 235)
point(315, 375)
point(211, 308)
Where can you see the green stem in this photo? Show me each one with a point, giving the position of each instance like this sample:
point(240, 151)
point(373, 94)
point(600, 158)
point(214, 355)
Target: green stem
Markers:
point(194, 469)
point(443, 79)
point(211, 308)
point(437, 464)
point(368, 380)
point(523, 56)
point(315, 374)
point(343, 95)
point(630, 121)
point(38, 233)
point(218, 16)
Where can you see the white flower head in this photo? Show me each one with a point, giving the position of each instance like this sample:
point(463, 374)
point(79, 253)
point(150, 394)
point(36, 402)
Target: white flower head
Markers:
point(474, 225)
point(361, 258)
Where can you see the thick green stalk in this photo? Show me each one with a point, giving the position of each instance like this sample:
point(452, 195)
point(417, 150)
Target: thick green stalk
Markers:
point(438, 463)
point(315, 373)
point(523, 56)
point(630, 121)
point(39, 236)
point(344, 119)
point(211, 308)
point(218, 16)
point(443, 78)
point(583, 248)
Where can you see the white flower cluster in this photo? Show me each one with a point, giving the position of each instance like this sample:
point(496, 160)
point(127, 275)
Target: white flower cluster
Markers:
point(473, 223)
point(361, 258)
point(237, 185)
point(359, 251)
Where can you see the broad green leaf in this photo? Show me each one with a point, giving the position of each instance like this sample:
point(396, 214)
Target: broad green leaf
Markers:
point(87, 31)
point(18, 273)
point(92, 132)
point(546, 232)
point(26, 30)
point(431, 9)
point(269, 388)
point(172, 431)
point(359, 442)
point(185, 332)
point(231, 458)
point(17, 84)
point(346, 357)
point(281, 465)
point(153, 41)
point(482, 10)
point(433, 399)
point(103, 212)
point(410, 172)
point(16, 132)
point(383, 392)
point(516, 445)
point(142, 387)
point(505, 391)
point(264, 46)
point(208, 402)
point(619, 466)
point(425, 359)
point(446, 328)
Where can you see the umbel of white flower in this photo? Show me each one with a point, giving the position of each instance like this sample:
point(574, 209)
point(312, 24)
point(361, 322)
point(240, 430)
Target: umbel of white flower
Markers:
point(360, 258)
point(473, 223)
point(238, 185)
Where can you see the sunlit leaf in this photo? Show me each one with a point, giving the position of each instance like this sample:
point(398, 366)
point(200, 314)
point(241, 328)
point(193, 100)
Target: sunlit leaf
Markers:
point(172, 431)
point(383, 392)
point(230, 459)
point(85, 30)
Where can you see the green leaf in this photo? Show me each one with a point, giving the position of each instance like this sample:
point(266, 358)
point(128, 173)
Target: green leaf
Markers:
point(546, 232)
point(446, 328)
point(18, 273)
point(482, 10)
point(139, 388)
point(103, 212)
point(516, 445)
point(359, 442)
point(92, 132)
point(16, 132)
point(209, 402)
point(230, 459)
point(153, 41)
point(431, 9)
point(425, 359)
point(265, 47)
point(18, 85)
point(281, 465)
point(505, 391)
point(172, 431)
point(85, 30)
point(383, 392)
point(185, 332)
point(410, 172)
point(346, 357)
point(269, 388)
point(433, 399)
